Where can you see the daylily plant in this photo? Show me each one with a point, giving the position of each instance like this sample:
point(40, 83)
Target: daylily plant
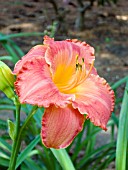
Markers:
point(60, 76)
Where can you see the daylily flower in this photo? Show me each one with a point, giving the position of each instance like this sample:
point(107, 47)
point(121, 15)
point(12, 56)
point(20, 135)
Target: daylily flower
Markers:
point(60, 76)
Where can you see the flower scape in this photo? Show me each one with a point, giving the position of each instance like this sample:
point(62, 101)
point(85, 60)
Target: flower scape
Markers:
point(60, 76)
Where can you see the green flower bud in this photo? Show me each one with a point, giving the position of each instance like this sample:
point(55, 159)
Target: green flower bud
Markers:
point(6, 80)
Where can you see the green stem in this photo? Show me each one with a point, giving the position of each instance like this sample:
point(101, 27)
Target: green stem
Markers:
point(17, 140)
point(14, 151)
point(63, 158)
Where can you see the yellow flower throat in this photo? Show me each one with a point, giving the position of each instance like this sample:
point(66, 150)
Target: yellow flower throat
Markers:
point(68, 77)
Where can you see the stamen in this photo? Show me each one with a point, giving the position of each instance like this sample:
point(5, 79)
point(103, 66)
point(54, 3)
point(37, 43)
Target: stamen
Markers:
point(92, 64)
point(79, 65)
point(82, 76)
point(76, 66)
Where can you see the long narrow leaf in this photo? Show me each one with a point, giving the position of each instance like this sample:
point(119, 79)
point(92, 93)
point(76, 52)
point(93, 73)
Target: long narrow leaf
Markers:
point(89, 137)
point(17, 48)
point(91, 143)
point(31, 164)
point(3, 154)
point(4, 161)
point(7, 107)
point(6, 100)
point(22, 34)
point(5, 145)
point(63, 158)
point(100, 159)
point(118, 83)
point(106, 162)
point(11, 51)
point(48, 158)
point(27, 150)
point(122, 133)
point(6, 58)
point(97, 151)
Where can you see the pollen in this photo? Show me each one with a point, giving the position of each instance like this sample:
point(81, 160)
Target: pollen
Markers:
point(79, 63)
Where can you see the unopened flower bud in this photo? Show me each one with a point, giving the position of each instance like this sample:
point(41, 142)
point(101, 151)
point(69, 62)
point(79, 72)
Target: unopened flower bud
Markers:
point(6, 80)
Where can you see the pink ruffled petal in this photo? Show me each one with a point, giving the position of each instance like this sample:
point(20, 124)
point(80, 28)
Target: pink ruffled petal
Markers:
point(38, 50)
point(34, 85)
point(96, 99)
point(60, 53)
point(86, 52)
point(65, 52)
point(60, 126)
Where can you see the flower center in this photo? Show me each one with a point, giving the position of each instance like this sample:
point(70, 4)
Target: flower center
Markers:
point(67, 77)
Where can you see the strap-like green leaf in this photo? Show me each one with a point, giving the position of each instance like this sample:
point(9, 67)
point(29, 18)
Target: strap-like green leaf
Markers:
point(5, 145)
point(31, 164)
point(122, 133)
point(63, 158)
point(22, 34)
point(23, 155)
point(6, 58)
point(4, 162)
point(118, 83)
point(11, 51)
